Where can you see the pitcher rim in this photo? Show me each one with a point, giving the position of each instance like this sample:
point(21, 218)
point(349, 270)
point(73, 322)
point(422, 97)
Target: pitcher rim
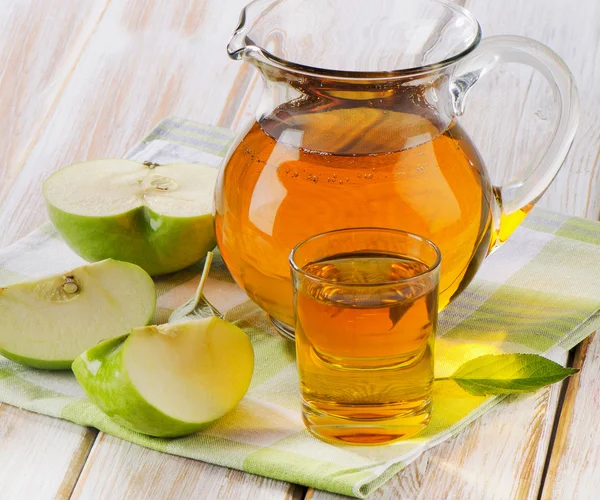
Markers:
point(241, 45)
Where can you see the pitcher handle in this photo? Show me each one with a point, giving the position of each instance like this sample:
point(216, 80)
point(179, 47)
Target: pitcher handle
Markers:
point(516, 198)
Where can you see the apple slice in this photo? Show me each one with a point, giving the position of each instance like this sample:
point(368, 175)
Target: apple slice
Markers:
point(156, 216)
point(169, 380)
point(47, 323)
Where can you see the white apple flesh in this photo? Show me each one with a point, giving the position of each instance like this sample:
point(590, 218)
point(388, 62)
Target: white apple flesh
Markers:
point(169, 380)
point(156, 216)
point(48, 322)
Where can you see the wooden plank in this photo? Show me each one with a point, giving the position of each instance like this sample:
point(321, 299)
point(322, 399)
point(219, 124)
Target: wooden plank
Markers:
point(40, 457)
point(119, 469)
point(145, 61)
point(573, 459)
point(572, 469)
point(513, 128)
point(574, 454)
point(37, 55)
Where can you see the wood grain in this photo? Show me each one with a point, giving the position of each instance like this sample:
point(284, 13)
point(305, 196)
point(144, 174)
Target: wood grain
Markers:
point(143, 62)
point(160, 60)
point(135, 58)
point(40, 457)
point(575, 35)
point(574, 455)
point(119, 469)
point(37, 54)
point(509, 115)
point(153, 59)
point(102, 77)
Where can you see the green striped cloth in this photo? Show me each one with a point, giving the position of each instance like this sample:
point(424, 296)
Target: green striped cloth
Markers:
point(540, 293)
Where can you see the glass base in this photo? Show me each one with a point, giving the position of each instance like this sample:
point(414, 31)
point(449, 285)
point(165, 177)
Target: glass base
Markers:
point(284, 330)
point(340, 430)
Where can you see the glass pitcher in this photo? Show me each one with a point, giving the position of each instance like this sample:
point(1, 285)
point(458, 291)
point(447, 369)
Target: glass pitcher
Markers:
point(357, 127)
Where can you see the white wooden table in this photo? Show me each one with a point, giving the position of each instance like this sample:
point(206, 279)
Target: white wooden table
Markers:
point(87, 79)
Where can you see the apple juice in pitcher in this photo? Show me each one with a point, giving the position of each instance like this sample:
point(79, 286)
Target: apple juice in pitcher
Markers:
point(357, 127)
point(312, 172)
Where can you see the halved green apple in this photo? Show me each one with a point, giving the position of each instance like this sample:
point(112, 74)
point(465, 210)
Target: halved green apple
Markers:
point(48, 322)
point(169, 380)
point(156, 216)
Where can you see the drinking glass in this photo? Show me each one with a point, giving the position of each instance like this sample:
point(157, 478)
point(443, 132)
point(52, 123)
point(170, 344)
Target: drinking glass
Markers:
point(365, 304)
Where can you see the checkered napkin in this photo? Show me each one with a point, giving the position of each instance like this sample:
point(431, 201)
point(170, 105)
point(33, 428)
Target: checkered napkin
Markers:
point(539, 293)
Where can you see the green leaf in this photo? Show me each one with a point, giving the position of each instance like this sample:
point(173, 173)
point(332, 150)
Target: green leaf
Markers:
point(508, 373)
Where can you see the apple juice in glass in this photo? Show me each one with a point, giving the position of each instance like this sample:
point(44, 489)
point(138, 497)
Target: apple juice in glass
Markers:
point(366, 304)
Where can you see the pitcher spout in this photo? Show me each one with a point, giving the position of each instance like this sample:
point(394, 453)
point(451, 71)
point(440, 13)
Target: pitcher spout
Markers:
point(237, 46)
point(240, 46)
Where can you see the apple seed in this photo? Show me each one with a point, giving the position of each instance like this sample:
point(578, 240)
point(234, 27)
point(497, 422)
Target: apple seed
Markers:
point(163, 183)
point(69, 286)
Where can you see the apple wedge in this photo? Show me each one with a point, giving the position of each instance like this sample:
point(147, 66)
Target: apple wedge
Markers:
point(47, 323)
point(169, 380)
point(156, 216)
